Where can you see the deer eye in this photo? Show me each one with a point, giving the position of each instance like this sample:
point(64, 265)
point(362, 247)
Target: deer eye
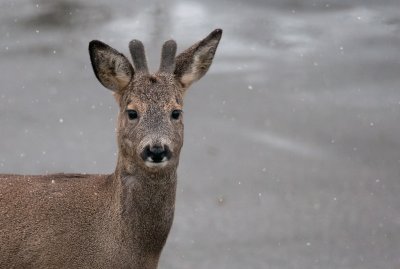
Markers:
point(176, 114)
point(132, 114)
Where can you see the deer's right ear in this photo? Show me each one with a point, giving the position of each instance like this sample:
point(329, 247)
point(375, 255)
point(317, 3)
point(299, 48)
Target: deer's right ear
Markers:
point(111, 68)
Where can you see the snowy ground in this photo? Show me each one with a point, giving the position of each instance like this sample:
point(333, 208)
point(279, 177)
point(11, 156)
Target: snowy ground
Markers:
point(292, 150)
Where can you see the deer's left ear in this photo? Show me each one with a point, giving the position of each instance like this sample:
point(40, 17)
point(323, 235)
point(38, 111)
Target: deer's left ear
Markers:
point(194, 62)
point(111, 68)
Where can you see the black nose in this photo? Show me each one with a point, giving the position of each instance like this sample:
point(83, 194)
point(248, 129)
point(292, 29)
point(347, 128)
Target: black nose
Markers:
point(156, 153)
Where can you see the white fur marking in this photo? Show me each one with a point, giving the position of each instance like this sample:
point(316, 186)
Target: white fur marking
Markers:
point(150, 163)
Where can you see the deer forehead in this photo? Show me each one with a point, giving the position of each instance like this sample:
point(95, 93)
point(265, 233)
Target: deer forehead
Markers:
point(153, 92)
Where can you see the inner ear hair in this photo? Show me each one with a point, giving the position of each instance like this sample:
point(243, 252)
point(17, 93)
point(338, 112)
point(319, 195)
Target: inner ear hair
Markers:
point(193, 63)
point(111, 67)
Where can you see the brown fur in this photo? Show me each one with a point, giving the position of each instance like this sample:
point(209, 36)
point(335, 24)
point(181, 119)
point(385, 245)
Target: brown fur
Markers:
point(114, 221)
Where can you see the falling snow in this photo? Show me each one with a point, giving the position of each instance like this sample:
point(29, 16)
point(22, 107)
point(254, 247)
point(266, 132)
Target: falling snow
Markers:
point(301, 106)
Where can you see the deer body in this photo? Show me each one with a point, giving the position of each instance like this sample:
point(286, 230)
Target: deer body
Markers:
point(96, 230)
point(120, 220)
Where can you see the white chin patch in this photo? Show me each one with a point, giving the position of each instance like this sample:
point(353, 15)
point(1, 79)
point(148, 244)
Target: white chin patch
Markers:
point(150, 163)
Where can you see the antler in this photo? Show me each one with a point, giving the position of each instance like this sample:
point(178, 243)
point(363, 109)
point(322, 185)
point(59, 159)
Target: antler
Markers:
point(138, 56)
point(168, 52)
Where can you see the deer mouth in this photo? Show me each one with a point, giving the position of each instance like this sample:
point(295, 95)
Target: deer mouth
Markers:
point(151, 163)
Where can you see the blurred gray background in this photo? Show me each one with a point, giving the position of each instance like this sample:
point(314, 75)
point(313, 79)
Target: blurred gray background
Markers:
point(292, 140)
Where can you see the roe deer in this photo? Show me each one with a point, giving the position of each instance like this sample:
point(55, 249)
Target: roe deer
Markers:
point(120, 220)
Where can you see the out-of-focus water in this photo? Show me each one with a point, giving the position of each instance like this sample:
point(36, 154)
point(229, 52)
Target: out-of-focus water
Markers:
point(292, 150)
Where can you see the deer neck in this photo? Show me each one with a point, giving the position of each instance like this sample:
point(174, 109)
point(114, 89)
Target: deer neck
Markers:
point(147, 202)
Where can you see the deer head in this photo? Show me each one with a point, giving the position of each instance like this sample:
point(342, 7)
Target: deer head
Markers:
point(150, 120)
